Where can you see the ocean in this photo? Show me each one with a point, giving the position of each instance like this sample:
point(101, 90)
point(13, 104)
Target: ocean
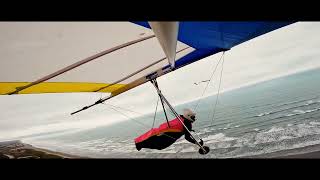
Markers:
point(269, 116)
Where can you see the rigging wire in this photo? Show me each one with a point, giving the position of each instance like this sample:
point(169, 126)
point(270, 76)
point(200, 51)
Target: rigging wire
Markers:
point(142, 124)
point(126, 115)
point(214, 109)
point(198, 101)
point(155, 113)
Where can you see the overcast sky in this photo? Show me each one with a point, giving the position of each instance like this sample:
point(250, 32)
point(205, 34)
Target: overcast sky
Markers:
point(284, 51)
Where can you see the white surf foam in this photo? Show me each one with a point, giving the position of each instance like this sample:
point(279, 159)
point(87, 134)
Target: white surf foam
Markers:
point(220, 137)
point(275, 129)
point(314, 123)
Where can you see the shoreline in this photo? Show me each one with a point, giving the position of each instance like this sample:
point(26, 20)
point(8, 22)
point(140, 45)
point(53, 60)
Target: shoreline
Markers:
point(20, 150)
point(307, 152)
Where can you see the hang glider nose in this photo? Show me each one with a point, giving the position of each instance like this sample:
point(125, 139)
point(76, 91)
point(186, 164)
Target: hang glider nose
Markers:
point(167, 35)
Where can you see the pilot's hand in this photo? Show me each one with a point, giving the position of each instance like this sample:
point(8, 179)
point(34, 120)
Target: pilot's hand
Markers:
point(201, 142)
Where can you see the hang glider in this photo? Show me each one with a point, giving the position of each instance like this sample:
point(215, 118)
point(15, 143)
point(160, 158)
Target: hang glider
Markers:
point(49, 57)
point(56, 57)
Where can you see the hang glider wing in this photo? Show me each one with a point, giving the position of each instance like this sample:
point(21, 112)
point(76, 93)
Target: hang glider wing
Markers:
point(56, 57)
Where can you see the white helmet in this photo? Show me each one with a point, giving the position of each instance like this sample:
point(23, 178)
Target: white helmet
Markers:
point(190, 115)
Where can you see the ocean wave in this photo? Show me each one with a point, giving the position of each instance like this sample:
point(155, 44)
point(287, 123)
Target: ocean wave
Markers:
point(220, 137)
point(314, 123)
point(295, 112)
point(298, 111)
point(275, 129)
point(288, 115)
point(310, 102)
point(188, 149)
point(263, 114)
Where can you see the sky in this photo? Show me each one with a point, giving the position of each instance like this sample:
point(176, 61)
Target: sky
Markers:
point(282, 52)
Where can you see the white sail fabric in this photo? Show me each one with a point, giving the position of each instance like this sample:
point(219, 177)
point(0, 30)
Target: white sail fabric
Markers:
point(32, 50)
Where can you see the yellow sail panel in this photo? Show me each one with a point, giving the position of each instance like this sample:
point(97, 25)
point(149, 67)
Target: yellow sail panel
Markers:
point(57, 87)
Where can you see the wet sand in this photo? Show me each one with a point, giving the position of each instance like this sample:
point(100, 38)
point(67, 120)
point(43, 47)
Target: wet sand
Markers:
point(308, 152)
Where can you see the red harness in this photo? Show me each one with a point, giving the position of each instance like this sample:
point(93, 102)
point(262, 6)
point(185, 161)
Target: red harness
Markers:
point(175, 126)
